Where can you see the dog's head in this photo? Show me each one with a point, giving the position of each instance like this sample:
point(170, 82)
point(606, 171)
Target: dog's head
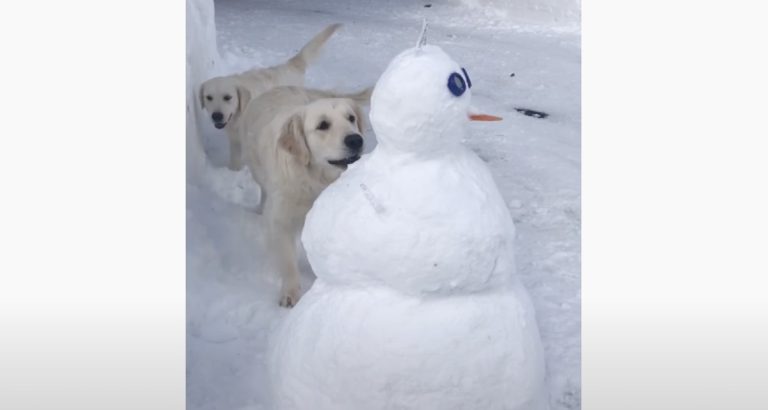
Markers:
point(326, 133)
point(224, 99)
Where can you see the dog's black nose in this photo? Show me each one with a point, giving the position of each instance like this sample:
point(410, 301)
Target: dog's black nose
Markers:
point(353, 141)
point(217, 116)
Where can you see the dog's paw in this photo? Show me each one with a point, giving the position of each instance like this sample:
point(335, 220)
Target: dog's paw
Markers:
point(289, 297)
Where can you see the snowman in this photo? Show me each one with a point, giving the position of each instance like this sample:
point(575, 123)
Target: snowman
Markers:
point(416, 303)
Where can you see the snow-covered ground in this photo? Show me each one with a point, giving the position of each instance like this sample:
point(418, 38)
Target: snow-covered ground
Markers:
point(517, 57)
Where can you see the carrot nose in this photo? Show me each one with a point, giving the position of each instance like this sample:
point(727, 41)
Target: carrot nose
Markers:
point(475, 115)
point(484, 117)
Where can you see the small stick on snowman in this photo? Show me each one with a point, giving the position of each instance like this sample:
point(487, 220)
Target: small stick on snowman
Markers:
point(423, 36)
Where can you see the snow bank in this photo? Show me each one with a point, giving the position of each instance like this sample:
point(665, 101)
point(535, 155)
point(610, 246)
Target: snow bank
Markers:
point(202, 62)
point(202, 57)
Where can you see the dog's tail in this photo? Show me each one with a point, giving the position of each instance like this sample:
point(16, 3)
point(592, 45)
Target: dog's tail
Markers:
point(361, 97)
point(311, 50)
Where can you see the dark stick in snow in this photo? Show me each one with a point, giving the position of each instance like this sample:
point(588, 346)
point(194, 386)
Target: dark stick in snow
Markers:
point(532, 113)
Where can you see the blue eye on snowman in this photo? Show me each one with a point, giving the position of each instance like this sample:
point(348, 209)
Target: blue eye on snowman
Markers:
point(456, 83)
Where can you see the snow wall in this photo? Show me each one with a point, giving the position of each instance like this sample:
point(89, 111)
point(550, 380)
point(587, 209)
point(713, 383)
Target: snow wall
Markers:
point(202, 58)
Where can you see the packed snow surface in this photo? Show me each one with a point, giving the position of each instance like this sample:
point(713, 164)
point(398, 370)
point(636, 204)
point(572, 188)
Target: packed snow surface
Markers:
point(232, 292)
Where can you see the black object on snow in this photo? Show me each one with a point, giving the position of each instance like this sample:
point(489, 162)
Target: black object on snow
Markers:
point(532, 113)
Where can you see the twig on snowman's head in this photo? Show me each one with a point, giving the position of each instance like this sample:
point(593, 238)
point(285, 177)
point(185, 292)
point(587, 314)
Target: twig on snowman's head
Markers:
point(423, 36)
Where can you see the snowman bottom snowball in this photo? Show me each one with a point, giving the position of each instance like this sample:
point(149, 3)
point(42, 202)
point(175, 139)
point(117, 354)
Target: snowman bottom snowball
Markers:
point(375, 349)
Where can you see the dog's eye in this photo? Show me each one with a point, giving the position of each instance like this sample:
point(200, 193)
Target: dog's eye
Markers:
point(456, 84)
point(324, 125)
point(351, 119)
point(209, 98)
point(227, 97)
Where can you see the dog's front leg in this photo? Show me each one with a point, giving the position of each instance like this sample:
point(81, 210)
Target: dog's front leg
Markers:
point(284, 250)
point(235, 151)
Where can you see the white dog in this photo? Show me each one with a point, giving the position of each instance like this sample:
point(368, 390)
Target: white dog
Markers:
point(226, 97)
point(297, 141)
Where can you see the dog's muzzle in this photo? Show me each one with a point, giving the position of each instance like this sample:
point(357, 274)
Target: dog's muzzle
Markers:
point(342, 163)
point(218, 120)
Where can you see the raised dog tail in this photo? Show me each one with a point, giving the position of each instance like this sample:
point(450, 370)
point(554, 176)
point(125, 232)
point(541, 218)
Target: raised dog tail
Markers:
point(311, 50)
point(361, 97)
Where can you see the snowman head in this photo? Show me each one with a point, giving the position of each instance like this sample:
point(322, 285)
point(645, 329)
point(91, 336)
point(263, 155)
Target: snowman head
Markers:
point(421, 103)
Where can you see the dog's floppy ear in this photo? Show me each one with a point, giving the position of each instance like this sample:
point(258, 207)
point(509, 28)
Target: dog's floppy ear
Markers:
point(243, 97)
point(360, 114)
point(202, 95)
point(293, 140)
point(363, 97)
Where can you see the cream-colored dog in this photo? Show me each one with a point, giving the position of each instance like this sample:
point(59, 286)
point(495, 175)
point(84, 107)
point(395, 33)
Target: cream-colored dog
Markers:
point(226, 97)
point(297, 141)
